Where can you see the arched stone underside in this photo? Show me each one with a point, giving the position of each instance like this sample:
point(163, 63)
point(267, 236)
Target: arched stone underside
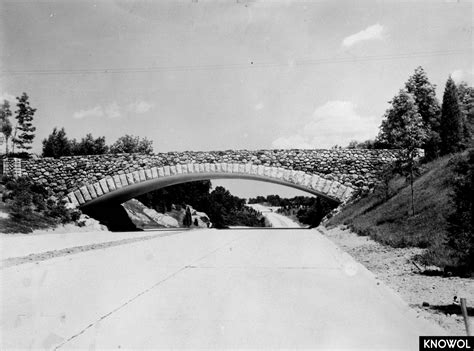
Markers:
point(120, 188)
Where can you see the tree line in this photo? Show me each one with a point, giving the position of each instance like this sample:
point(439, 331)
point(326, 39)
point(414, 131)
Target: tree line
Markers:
point(57, 144)
point(222, 208)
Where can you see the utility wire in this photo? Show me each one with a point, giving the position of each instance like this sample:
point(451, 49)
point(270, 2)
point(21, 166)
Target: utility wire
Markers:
point(247, 65)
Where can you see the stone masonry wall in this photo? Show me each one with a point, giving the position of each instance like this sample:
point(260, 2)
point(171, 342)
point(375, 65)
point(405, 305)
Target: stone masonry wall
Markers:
point(352, 167)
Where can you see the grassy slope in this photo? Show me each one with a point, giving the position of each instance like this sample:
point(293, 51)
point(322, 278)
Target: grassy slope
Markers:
point(390, 222)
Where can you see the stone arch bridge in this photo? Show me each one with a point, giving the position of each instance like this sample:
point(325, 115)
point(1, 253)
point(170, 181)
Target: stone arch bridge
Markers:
point(89, 180)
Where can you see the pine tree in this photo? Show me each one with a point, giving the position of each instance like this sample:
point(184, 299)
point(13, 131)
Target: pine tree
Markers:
point(424, 94)
point(452, 128)
point(57, 144)
point(24, 131)
point(466, 104)
point(403, 129)
point(5, 124)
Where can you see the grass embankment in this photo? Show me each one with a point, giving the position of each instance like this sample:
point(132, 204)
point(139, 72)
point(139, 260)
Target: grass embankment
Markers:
point(389, 220)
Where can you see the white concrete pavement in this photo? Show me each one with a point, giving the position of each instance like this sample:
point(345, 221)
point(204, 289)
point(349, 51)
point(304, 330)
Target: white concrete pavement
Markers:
point(275, 219)
point(205, 289)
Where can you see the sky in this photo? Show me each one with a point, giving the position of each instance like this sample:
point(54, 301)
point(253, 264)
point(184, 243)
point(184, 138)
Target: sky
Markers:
point(217, 75)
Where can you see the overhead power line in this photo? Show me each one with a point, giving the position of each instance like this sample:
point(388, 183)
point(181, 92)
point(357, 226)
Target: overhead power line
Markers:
point(247, 65)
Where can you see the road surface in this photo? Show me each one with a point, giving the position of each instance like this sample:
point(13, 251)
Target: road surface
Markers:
point(205, 289)
point(276, 220)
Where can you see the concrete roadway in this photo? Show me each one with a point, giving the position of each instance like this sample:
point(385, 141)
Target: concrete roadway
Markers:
point(206, 289)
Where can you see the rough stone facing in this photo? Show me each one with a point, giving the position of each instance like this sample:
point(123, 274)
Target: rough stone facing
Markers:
point(349, 168)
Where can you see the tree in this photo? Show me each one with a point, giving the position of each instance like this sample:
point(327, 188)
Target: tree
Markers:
point(452, 128)
point(132, 144)
point(188, 219)
point(5, 124)
point(89, 146)
point(461, 221)
point(466, 104)
point(424, 94)
point(24, 130)
point(57, 144)
point(403, 129)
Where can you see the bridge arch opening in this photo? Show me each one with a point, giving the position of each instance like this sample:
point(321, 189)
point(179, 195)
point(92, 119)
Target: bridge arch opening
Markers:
point(120, 195)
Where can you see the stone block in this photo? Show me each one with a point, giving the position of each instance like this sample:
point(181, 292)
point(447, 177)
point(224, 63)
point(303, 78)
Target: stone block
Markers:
point(167, 171)
point(334, 189)
point(207, 168)
point(201, 168)
point(212, 167)
point(327, 186)
point(148, 174)
point(161, 172)
point(85, 193)
point(72, 199)
point(117, 181)
point(179, 169)
point(190, 167)
point(130, 179)
point(224, 167)
point(103, 185)
point(254, 169)
point(248, 168)
point(79, 197)
point(136, 176)
point(306, 182)
point(123, 180)
point(219, 167)
point(260, 170)
point(141, 174)
point(267, 171)
point(110, 183)
point(98, 189)
point(241, 168)
point(91, 190)
point(154, 172)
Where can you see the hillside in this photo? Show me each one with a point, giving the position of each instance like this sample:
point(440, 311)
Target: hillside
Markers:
point(389, 221)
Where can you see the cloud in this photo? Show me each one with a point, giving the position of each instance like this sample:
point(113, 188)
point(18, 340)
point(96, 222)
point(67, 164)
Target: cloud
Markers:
point(140, 107)
point(9, 97)
point(459, 75)
point(373, 32)
point(110, 111)
point(334, 123)
point(93, 112)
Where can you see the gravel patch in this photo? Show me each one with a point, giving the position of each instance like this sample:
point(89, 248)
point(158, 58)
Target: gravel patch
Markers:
point(432, 297)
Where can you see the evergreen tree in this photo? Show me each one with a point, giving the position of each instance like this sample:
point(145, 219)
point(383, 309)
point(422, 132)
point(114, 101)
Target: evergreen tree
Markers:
point(424, 94)
point(452, 128)
point(403, 129)
point(466, 104)
point(24, 131)
point(57, 144)
point(5, 124)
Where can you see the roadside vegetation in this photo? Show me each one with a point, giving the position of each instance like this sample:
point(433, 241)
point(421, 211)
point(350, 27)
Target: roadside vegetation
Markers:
point(425, 199)
point(28, 206)
point(223, 208)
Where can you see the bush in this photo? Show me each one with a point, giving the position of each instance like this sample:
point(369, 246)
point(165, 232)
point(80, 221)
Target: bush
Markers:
point(30, 207)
